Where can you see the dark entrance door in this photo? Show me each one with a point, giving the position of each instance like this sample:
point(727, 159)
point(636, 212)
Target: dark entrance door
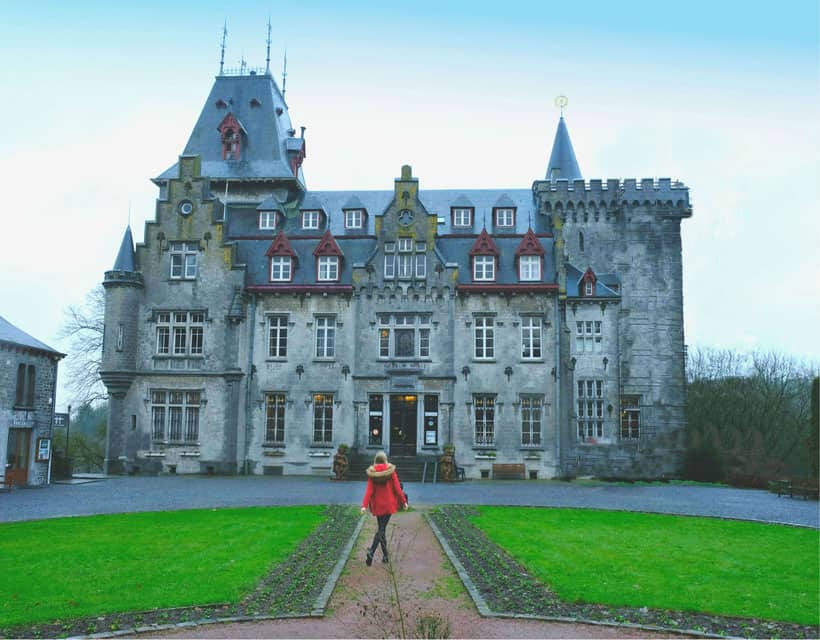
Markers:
point(17, 456)
point(403, 417)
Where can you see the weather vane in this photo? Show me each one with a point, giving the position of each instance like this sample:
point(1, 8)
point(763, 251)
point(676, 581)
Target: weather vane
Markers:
point(561, 102)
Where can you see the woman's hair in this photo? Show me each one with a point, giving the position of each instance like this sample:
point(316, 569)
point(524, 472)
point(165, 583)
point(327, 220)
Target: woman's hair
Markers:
point(381, 458)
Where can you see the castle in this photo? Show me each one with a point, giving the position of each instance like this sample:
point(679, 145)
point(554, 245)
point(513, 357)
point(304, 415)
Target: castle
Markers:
point(261, 324)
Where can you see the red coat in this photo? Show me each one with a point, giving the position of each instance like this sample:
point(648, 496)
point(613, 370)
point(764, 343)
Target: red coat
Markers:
point(384, 494)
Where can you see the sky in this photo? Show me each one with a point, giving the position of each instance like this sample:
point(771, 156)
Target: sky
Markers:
point(99, 97)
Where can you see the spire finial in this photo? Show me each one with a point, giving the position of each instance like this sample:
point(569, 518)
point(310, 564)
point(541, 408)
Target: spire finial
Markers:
point(224, 37)
point(285, 73)
point(267, 55)
point(561, 102)
point(243, 64)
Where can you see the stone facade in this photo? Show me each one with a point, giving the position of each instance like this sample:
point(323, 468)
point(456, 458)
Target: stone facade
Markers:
point(28, 383)
point(260, 325)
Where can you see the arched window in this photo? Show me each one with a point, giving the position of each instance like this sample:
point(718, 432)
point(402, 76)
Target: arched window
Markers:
point(581, 241)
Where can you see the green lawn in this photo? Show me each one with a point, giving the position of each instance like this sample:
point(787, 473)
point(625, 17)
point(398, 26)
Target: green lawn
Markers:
point(669, 562)
point(75, 567)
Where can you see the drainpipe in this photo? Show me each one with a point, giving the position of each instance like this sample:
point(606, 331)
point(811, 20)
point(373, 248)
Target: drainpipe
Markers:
point(249, 378)
point(558, 420)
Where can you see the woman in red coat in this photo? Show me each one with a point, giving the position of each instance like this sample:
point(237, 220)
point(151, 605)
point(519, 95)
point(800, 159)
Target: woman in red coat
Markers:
point(383, 497)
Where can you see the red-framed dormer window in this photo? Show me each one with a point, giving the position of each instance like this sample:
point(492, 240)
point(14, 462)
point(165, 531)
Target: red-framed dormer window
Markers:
point(282, 259)
point(462, 216)
point(267, 219)
point(530, 257)
point(484, 258)
point(588, 283)
point(504, 217)
point(328, 259)
point(230, 131)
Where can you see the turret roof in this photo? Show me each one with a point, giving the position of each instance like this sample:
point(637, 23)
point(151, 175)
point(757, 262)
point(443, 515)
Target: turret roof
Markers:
point(125, 256)
point(562, 164)
point(256, 101)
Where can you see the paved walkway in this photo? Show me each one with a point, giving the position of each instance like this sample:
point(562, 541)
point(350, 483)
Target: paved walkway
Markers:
point(122, 494)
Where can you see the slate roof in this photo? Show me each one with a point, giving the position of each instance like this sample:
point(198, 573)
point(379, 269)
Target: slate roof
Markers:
point(242, 220)
point(12, 335)
point(562, 164)
point(602, 282)
point(457, 249)
point(125, 257)
point(264, 147)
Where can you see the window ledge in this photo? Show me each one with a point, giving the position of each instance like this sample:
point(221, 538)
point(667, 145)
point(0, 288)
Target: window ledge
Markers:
point(276, 359)
point(274, 453)
point(318, 454)
point(324, 360)
point(484, 360)
point(531, 361)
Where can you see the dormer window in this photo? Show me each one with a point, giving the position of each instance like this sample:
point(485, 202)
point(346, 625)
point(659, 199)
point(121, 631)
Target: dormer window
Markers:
point(255, 103)
point(230, 131)
point(354, 218)
point(281, 268)
point(588, 283)
point(484, 268)
point(267, 219)
point(328, 268)
point(505, 217)
point(462, 216)
point(529, 268)
point(310, 219)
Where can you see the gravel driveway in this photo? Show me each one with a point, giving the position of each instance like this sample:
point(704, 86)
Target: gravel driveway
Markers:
point(122, 494)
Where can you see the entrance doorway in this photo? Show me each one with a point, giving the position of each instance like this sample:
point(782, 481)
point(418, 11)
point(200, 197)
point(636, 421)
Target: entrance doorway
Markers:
point(403, 425)
point(17, 456)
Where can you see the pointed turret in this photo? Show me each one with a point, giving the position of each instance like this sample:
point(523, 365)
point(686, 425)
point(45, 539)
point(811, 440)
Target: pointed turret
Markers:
point(562, 164)
point(125, 257)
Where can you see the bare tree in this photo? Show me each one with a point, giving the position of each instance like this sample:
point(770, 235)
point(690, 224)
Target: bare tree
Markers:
point(84, 327)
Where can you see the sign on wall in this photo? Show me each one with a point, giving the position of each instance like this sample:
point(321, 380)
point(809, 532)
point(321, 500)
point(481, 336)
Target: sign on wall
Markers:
point(43, 449)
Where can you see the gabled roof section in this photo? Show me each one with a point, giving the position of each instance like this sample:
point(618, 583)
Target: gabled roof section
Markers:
point(601, 282)
point(269, 204)
point(280, 247)
point(230, 122)
point(504, 200)
point(312, 203)
point(353, 202)
point(12, 335)
point(270, 137)
point(562, 164)
point(462, 201)
point(327, 246)
point(125, 256)
point(530, 245)
point(484, 245)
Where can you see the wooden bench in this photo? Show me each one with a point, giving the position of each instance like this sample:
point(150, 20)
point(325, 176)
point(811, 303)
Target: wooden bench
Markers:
point(508, 472)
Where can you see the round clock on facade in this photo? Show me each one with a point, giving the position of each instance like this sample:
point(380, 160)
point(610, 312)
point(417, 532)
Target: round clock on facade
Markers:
point(185, 208)
point(405, 217)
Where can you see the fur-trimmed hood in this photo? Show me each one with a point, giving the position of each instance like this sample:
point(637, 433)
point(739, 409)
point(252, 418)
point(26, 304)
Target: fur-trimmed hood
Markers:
point(381, 472)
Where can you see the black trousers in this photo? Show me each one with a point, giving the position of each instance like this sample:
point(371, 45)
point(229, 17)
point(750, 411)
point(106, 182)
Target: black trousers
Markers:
point(381, 535)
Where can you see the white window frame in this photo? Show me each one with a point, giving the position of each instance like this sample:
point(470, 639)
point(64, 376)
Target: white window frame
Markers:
point(323, 418)
point(391, 324)
point(183, 260)
point(531, 338)
point(267, 219)
point(483, 268)
point(278, 336)
point(630, 428)
point(327, 268)
point(275, 407)
point(389, 260)
point(175, 415)
point(484, 338)
point(531, 419)
point(325, 337)
point(310, 219)
point(589, 288)
point(281, 268)
point(484, 412)
point(405, 259)
point(180, 333)
point(589, 336)
point(462, 217)
point(529, 268)
point(590, 396)
point(505, 217)
point(354, 218)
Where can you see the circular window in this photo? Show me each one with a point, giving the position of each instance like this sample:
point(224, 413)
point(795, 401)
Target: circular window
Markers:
point(186, 207)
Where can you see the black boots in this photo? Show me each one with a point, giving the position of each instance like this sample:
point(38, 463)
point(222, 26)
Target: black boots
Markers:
point(369, 560)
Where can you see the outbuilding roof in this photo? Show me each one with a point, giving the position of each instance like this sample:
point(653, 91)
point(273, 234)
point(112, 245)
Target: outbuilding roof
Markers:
point(12, 335)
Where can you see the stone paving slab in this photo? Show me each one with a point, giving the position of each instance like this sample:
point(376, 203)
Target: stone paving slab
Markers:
point(123, 494)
